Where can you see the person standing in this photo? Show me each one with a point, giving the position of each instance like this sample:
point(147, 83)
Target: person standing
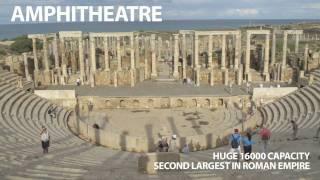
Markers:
point(45, 140)
point(173, 144)
point(247, 145)
point(165, 145)
point(78, 81)
point(160, 145)
point(265, 135)
point(294, 130)
point(235, 140)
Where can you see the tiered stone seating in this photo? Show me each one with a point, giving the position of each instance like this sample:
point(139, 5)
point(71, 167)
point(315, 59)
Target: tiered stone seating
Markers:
point(12, 79)
point(22, 115)
point(302, 105)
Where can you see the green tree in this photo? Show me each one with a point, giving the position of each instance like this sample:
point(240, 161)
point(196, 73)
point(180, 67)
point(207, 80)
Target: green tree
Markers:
point(23, 44)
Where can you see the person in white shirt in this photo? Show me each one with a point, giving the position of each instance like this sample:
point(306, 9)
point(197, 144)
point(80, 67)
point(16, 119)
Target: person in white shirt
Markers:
point(173, 144)
point(45, 140)
point(78, 81)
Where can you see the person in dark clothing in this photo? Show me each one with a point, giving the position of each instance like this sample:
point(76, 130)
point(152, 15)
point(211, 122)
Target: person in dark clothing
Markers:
point(160, 146)
point(247, 145)
point(294, 130)
point(165, 145)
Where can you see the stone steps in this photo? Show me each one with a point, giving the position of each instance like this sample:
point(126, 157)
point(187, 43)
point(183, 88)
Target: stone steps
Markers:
point(302, 105)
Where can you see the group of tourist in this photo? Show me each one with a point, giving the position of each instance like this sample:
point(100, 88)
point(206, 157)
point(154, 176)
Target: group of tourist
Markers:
point(236, 139)
point(165, 146)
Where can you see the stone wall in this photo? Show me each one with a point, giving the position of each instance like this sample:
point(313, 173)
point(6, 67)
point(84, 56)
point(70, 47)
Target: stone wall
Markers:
point(270, 94)
point(65, 98)
point(100, 103)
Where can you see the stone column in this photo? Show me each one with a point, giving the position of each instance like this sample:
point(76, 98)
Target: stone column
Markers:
point(45, 54)
point(81, 59)
point(63, 60)
point(137, 51)
point(153, 56)
point(92, 79)
point(211, 77)
point(266, 59)
point(237, 51)
point(184, 57)
point(196, 60)
point(197, 76)
point(115, 79)
point(239, 74)
point(191, 42)
point(119, 54)
point(247, 65)
point(146, 53)
point(196, 51)
point(145, 68)
point(93, 54)
point(296, 49)
point(210, 66)
point(74, 67)
point(305, 60)
point(223, 52)
point(273, 50)
point(132, 65)
point(159, 48)
point(56, 52)
point(106, 54)
point(26, 70)
point(35, 58)
point(226, 77)
point(170, 47)
point(230, 53)
point(284, 51)
point(176, 56)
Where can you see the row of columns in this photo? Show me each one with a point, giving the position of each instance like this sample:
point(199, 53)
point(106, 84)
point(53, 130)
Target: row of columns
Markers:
point(178, 47)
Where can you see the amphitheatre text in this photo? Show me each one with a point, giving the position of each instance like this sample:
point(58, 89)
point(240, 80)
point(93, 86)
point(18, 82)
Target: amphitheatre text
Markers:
point(86, 13)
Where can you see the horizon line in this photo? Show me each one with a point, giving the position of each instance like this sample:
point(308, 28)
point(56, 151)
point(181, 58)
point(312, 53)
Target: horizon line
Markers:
point(217, 19)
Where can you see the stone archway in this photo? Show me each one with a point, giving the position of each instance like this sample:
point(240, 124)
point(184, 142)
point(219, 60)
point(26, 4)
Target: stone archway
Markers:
point(207, 103)
point(108, 103)
point(122, 103)
point(150, 103)
point(194, 103)
point(179, 103)
point(136, 103)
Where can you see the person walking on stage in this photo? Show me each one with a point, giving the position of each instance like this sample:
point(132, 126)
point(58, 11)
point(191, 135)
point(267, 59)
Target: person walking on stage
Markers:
point(45, 140)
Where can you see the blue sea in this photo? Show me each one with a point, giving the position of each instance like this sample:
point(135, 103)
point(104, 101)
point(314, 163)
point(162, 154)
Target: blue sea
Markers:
point(14, 30)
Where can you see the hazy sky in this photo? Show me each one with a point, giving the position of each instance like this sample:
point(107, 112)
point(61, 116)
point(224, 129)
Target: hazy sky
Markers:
point(195, 9)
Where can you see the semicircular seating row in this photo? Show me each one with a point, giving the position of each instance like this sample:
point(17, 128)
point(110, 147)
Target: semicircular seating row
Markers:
point(303, 106)
point(11, 78)
point(22, 115)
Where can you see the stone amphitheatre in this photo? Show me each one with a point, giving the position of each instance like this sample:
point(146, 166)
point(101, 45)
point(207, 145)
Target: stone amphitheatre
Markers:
point(137, 87)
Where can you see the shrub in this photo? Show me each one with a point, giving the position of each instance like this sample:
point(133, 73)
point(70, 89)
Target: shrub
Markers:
point(23, 44)
point(3, 52)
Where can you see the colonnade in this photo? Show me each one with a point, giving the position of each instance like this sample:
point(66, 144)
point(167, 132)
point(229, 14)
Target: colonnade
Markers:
point(177, 46)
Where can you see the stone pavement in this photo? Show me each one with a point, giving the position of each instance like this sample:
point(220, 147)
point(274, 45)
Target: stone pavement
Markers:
point(150, 88)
